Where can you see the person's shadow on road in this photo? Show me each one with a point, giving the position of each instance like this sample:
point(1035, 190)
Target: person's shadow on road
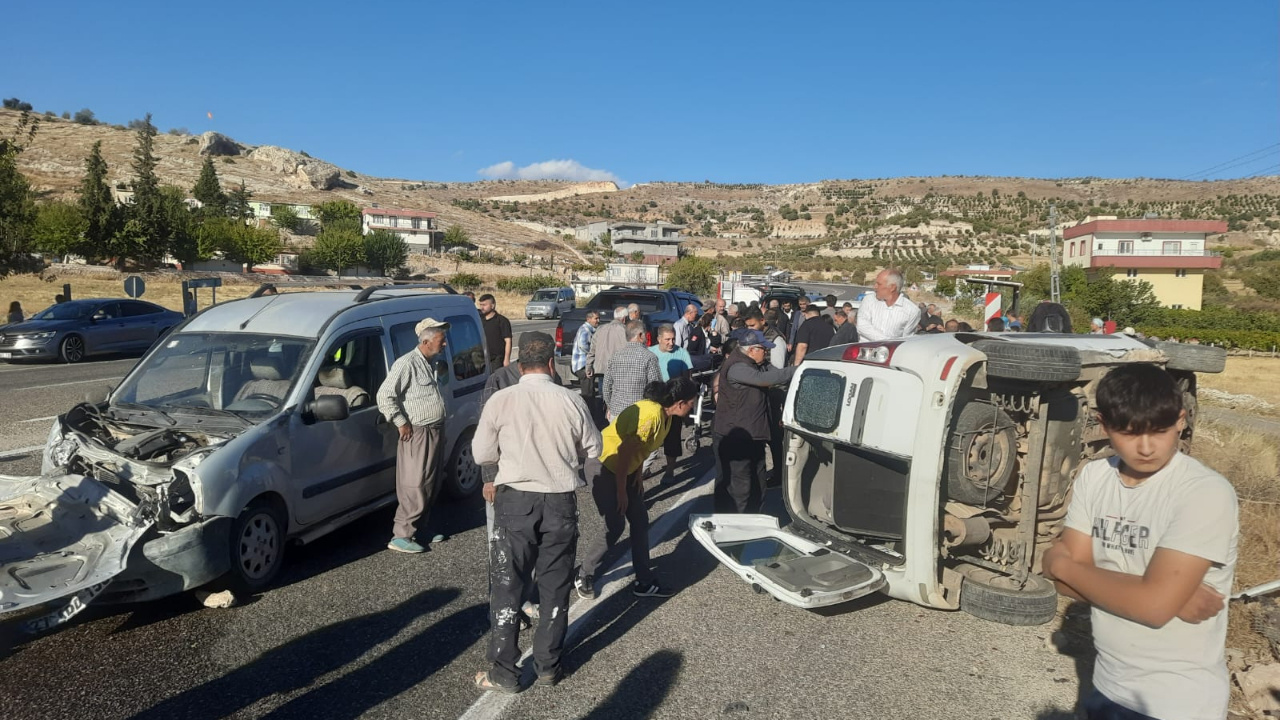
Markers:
point(301, 662)
point(642, 690)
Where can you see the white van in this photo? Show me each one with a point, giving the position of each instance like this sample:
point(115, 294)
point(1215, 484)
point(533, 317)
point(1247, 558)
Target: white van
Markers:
point(251, 425)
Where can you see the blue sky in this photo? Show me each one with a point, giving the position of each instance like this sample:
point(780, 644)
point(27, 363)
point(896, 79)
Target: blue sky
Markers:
point(727, 91)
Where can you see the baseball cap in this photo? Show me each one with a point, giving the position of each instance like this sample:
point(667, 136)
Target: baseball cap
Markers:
point(754, 337)
point(429, 323)
point(1129, 331)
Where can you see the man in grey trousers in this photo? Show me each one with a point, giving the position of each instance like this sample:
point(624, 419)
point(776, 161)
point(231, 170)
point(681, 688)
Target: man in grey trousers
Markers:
point(410, 399)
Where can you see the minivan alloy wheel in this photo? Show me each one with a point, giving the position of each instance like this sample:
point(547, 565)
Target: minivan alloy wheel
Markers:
point(260, 544)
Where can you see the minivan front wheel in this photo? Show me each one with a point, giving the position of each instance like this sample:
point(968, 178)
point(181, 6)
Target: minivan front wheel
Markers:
point(257, 546)
point(462, 477)
point(999, 598)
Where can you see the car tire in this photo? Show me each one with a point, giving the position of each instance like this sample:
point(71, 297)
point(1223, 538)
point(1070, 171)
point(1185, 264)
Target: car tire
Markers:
point(462, 478)
point(71, 349)
point(257, 547)
point(993, 596)
point(984, 437)
point(1030, 361)
point(1195, 358)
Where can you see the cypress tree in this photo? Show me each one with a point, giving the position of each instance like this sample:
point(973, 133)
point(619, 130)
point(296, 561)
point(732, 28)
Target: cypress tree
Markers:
point(209, 191)
point(147, 211)
point(101, 216)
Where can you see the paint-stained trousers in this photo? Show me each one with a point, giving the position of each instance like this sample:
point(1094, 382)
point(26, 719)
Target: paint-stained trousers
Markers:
point(417, 463)
point(531, 532)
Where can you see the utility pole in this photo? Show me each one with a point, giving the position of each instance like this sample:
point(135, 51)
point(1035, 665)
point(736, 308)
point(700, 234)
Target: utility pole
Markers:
point(1055, 294)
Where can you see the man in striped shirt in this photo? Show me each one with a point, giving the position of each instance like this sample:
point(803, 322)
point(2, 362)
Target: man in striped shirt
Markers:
point(410, 399)
point(889, 315)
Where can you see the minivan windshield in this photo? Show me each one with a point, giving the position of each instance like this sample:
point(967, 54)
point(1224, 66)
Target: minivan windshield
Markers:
point(246, 374)
point(544, 295)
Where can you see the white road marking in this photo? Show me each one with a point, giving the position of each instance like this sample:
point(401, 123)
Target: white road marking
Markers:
point(63, 384)
point(47, 417)
point(492, 704)
point(6, 454)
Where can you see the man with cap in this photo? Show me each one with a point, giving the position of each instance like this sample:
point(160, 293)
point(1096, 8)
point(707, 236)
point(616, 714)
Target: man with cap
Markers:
point(410, 399)
point(740, 430)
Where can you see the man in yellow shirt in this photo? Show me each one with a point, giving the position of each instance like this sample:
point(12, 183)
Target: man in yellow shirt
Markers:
point(616, 481)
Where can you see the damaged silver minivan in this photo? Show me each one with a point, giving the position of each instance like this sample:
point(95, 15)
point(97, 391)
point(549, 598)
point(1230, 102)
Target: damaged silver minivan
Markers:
point(937, 469)
point(251, 425)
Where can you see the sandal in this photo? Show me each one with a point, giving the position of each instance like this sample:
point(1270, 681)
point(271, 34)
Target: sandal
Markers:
point(484, 682)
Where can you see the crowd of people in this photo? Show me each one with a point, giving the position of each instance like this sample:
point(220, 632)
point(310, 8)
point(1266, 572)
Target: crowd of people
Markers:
point(538, 442)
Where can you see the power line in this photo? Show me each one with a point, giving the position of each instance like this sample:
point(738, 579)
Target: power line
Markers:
point(1264, 171)
point(1209, 170)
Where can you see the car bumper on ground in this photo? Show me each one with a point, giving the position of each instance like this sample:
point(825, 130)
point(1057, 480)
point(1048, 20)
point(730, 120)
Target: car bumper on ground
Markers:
point(174, 562)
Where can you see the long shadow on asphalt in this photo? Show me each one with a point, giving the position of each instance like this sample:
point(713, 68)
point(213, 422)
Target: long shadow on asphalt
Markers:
point(616, 615)
point(642, 690)
point(303, 661)
point(370, 535)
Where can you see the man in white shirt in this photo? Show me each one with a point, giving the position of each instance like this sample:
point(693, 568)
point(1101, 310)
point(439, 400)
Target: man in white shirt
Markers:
point(889, 315)
point(684, 326)
point(537, 432)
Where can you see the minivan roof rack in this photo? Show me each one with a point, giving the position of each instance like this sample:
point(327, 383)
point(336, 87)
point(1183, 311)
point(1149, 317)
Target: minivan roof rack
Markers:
point(367, 293)
point(284, 285)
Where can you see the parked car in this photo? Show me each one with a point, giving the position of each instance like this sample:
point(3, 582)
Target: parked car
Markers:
point(550, 303)
point(937, 469)
point(657, 307)
point(74, 330)
point(251, 425)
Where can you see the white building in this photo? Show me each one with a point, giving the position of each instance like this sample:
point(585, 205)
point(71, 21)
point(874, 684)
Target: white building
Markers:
point(418, 228)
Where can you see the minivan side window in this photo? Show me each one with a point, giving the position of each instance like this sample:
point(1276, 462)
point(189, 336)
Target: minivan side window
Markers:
point(467, 346)
point(403, 338)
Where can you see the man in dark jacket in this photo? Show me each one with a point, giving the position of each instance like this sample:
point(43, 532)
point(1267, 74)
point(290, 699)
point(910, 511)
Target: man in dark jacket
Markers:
point(740, 430)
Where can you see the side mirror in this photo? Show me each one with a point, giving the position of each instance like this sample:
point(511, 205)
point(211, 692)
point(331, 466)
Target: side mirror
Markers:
point(328, 408)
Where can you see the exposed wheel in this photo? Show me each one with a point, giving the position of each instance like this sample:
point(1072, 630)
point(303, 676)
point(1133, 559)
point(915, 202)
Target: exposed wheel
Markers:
point(462, 477)
point(983, 450)
point(996, 597)
point(257, 547)
point(72, 349)
point(1029, 361)
point(1196, 358)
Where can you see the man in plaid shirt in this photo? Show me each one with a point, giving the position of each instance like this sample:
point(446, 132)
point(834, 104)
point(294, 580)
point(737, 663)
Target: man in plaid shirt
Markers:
point(581, 347)
point(630, 370)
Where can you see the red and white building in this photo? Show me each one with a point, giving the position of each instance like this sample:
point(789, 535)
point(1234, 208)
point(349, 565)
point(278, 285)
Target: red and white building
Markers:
point(1172, 255)
point(418, 228)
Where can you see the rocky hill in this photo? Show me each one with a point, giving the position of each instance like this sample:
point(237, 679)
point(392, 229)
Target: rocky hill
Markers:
point(918, 218)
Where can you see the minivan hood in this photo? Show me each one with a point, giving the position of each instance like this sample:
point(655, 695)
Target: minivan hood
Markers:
point(61, 535)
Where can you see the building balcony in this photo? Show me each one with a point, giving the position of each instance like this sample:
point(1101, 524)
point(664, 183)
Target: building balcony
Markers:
point(1153, 259)
point(1156, 253)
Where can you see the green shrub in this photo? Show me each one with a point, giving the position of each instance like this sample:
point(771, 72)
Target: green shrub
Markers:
point(465, 281)
point(527, 285)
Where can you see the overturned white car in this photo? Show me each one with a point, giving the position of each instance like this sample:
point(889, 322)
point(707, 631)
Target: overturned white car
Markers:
point(937, 469)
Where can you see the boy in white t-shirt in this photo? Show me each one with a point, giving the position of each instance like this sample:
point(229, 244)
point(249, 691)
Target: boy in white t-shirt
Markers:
point(1150, 543)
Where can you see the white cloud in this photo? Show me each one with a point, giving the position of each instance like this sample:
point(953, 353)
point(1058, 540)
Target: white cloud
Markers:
point(547, 170)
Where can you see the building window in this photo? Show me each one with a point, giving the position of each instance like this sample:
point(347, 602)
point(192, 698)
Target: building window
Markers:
point(1125, 247)
point(379, 219)
point(1172, 247)
point(417, 223)
point(1131, 272)
point(1176, 306)
point(1181, 272)
point(1099, 246)
point(1072, 250)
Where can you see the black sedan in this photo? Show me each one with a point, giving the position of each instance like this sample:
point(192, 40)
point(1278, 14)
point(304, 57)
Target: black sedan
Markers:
point(74, 330)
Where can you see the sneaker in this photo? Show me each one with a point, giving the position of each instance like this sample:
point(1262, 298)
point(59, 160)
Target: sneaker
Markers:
point(586, 589)
point(652, 589)
point(405, 545)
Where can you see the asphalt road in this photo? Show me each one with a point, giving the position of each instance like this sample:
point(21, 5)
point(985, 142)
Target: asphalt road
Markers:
point(353, 630)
